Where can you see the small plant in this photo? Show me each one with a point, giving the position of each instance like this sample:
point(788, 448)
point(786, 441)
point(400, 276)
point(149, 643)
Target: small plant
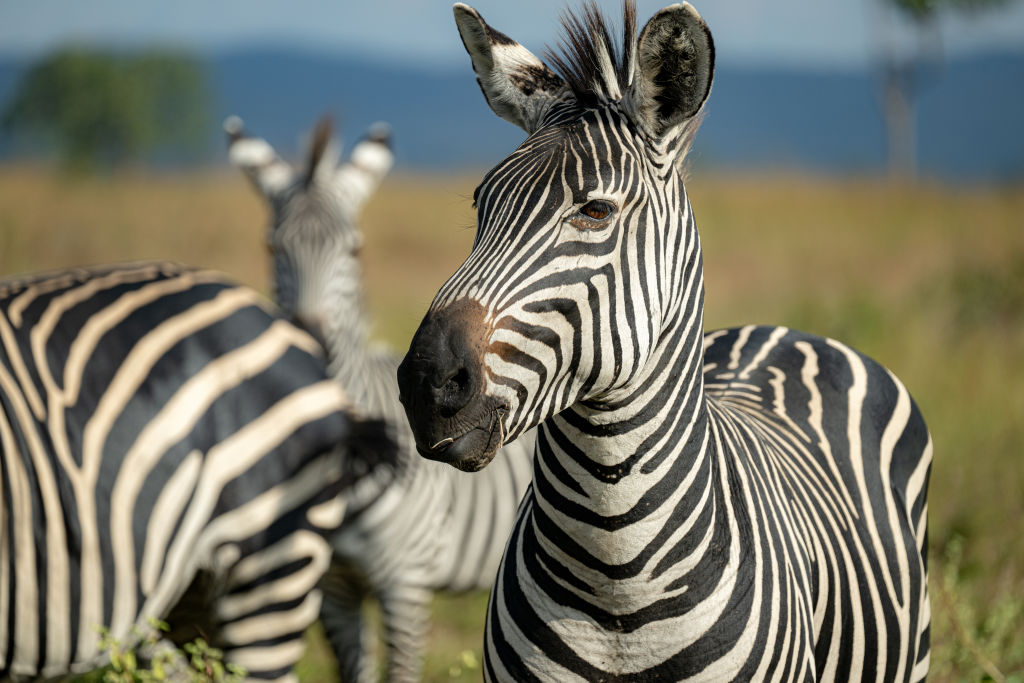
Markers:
point(197, 661)
point(206, 663)
point(468, 662)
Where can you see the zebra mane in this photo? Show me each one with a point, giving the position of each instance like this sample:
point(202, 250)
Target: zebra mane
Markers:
point(595, 68)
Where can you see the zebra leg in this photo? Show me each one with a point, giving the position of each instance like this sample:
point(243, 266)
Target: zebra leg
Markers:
point(352, 642)
point(405, 611)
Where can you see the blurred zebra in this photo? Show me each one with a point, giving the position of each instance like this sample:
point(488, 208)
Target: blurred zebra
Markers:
point(744, 505)
point(410, 530)
point(171, 450)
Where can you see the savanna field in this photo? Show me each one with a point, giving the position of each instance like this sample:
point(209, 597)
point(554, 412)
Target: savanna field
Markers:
point(928, 279)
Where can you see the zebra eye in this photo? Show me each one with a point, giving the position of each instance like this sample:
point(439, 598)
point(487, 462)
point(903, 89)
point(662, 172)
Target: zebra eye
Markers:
point(594, 211)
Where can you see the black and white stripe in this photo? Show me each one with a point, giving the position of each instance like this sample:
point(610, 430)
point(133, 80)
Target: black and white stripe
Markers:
point(170, 450)
point(748, 504)
point(410, 530)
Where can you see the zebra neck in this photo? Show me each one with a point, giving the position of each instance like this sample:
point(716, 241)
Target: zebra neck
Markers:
point(626, 484)
point(367, 372)
point(608, 478)
point(348, 351)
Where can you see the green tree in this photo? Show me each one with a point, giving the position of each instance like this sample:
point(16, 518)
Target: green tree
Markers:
point(103, 109)
point(901, 72)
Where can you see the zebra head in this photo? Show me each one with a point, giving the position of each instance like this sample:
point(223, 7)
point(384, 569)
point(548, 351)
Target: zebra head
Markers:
point(585, 251)
point(314, 237)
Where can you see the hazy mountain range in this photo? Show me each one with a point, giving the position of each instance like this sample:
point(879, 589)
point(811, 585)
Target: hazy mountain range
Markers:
point(970, 113)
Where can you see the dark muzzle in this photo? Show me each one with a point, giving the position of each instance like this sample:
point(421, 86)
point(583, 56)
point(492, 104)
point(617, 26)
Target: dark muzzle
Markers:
point(441, 387)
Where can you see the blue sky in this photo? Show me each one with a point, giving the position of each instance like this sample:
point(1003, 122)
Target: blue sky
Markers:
point(817, 33)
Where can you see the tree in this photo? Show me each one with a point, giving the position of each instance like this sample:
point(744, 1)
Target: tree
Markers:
point(104, 109)
point(901, 73)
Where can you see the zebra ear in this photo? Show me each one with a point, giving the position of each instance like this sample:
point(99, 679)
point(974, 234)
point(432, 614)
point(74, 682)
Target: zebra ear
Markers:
point(675, 63)
point(517, 85)
point(323, 152)
point(269, 173)
point(370, 161)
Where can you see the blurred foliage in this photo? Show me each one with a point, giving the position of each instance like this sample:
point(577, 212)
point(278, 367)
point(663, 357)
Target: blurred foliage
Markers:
point(100, 109)
point(985, 633)
point(923, 10)
point(902, 74)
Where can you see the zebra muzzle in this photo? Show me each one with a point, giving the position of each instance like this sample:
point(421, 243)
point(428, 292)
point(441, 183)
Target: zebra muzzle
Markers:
point(472, 450)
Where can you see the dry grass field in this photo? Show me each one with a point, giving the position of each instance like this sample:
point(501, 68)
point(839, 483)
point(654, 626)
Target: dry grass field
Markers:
point(927, 279)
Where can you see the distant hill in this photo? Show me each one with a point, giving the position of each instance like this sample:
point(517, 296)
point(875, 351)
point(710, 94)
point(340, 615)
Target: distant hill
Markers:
point(969, 115)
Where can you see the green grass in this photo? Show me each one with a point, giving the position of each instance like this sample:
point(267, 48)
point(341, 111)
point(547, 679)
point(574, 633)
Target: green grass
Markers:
point(927, 279)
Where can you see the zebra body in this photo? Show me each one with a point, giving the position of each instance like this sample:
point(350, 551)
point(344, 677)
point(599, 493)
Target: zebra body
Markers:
point(409, 530)
point(168, 445)
point(681, 570)
point(749, 504)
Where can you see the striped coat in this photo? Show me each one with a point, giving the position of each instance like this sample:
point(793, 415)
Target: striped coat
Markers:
point(412, 529)
point(748, 504)
point(169, 451)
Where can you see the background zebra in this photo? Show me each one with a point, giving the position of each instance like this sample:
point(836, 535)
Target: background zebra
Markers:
point(170, 450)
point(743, 505)
point(413, 529)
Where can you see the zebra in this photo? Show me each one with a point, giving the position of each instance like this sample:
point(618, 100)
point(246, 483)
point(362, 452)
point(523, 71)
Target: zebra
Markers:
point(746, 504)
point(411, 530)
point(170, 450)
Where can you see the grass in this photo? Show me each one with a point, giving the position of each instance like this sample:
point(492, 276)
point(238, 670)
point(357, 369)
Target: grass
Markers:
point(927, 279)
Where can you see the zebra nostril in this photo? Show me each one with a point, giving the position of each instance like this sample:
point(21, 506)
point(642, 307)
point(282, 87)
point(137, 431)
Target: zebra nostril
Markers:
point(457, 382)
point(453, 393)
